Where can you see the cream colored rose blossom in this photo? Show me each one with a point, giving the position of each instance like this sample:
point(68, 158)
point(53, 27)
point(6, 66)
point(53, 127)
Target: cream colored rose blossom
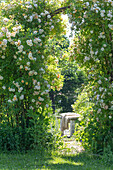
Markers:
point(1, 78)
point(5, 20)
point(3, 57)
point(4, 42)
point(4, 87)
point(21, 97)
point(30, 56)
point(29, 42)
point(9, 101)
point(15, 98)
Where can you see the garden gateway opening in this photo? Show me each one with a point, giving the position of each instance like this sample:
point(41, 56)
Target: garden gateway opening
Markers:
point(33, 52)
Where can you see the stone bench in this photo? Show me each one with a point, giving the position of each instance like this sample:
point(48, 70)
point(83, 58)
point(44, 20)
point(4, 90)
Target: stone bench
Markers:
point(65, 119)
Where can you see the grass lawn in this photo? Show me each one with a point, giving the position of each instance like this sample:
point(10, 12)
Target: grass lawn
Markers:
point(57, 161)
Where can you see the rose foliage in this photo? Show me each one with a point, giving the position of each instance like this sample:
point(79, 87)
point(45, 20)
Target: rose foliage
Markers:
point(28, 70)
point(92, 22)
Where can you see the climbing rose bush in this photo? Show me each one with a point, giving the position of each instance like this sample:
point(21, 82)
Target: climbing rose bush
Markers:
point(27, 72)
point(92, 48)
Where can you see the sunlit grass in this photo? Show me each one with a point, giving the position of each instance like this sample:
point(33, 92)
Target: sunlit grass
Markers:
point(61, 160)
point(57, 161)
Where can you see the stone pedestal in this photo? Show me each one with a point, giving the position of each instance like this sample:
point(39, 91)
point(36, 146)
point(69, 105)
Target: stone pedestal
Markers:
point(72, 127)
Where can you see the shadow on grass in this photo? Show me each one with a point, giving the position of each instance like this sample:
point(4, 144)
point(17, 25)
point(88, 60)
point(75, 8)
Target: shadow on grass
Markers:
point(35, 160)
point(30, 160)
point(81, 161)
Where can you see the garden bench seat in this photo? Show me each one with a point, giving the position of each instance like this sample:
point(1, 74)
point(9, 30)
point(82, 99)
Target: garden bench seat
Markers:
point(65, 119)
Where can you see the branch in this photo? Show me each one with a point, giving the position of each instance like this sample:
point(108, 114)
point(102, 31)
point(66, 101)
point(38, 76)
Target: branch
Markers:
point(59, 10)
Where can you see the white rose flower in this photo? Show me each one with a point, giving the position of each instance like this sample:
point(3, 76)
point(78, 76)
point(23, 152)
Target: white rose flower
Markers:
point(9, 101)
point(46, 91)
point(17, 84)
point(15, 29)
point(15, 98)
point(5, 20)
point(36, 40)
point(13, 34)
point(31, 107)
point(33, 100)
point(47, 105)
point(24, 52)
point(37, 87)
point(1, 78)
point(29, 6)
point(27, 68)
point(4, 29)
point(15, 57)
point(22, 97)
point(39, 20)
point(31, 73)
point(43, 35)
point(91, 31)
point(20, 59)
point(102, 14)
point(110, 26)
point(41, 69)
point(21, 66)
point(4, 87)
point(20, 89)
point(99, 110)
point(1, 34)
point(29, 42)
point(46, 12)
point(35, 5)
point(10, 89)
point(99, 81)
point(102, 49)
point(8, 34)
point(48, 16)
point(41, 99)
point(35, 73)
point(34, 82)
point(28, 63)
point(41, 31)
point(52, 27)
point(48, 86)
point(98, 96)
point(42, 14)
point(31, 18)
point(87, 3)
point(110, 117)
point(18, 43)
point(25, 16)
point(4, 42)
point(30, 56)
point(104, 45)
point(3, 57)
point(20, 48)
point(35, 32)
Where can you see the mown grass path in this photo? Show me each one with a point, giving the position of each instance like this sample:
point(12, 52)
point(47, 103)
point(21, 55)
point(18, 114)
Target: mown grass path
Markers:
point(72, 157)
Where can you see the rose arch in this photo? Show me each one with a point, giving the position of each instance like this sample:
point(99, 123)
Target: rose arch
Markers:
point(28, 69)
